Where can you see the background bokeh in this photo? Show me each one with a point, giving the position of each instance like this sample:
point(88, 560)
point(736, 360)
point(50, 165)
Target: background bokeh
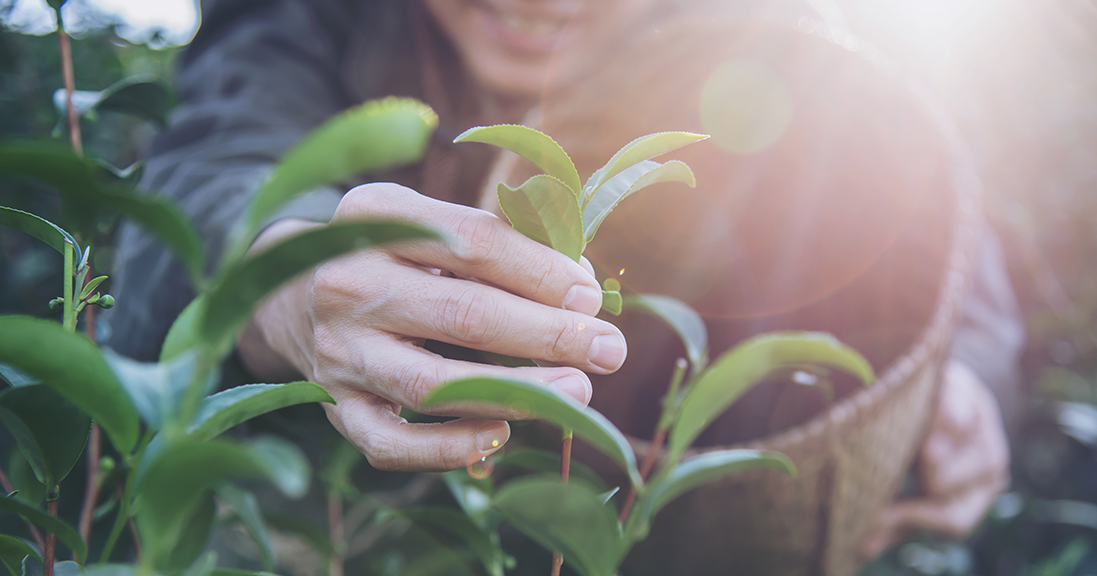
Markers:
point(1019, 77)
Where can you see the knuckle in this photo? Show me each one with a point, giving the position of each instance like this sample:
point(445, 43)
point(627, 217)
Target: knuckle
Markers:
point(478, 237)
point(382, 452)
point(418, 380)
point(565, 346)
point(472, 316)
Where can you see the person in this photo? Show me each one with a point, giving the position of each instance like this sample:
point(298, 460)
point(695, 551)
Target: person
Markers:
point(258, 76)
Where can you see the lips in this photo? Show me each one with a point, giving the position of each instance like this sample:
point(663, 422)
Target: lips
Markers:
point(524, 27)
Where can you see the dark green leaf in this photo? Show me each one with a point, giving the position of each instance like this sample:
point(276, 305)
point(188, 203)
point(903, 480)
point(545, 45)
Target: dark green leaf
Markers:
point(15, 376)
point(704, 468)
point(546, 211)
point(39, 228)
point(137, 95)
point(156, 389)
point(178, 482)
point(456, 524)
point(246, 507)
point(565, 517)
point(48, 522)
point(50, 430)
point(284, 464)
point(539, 402)
point(640, 149)
point(612, 302)
point(32, 566)
point(229, 304)
point(532, 145)
point(226, 409)
point(204, 566)
point(183, 334)
point(377, 134)
point(85, 187)
point(537, 460)
point(682, 319)
point(12, 552)
point(627, 183)
point(23, 480)
point(194, 528)
point(748, 364)
point(35, 347)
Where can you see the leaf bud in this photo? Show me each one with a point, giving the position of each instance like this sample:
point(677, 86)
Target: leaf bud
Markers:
point(56, 303)
point(106, 301)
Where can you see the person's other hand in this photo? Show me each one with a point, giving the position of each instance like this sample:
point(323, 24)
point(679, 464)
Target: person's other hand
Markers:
point(963, 465)
point(356, 326)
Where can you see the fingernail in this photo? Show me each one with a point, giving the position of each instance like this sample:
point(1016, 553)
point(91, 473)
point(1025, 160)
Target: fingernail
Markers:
point(583, 299)
point(574, 386)
point(491, 437)
point(607, 352)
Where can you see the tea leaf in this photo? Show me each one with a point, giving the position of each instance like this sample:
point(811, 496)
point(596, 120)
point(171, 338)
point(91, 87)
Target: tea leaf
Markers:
point(533, 145)
point(239, 572)
point(85, 187)
point(226, 409)
point(34, 345)
point(704, 468)
point(50, 431)
point(23, 480)
point(612, 302)
point(537, 460)
point(204, 566)
point(156, 389)
point(193, 533)
point(65, 533)
point(749, 363)
point(565, 517)
point(177, 483)
point(12, 552)
point(39, 228)
point(91, 286)
point(374, 135)
point(284, 464)
point(631, 180)
point(640, 149)
point(539, 402)
point(544, 210)
point(682, 319)
point(473, 496)
point(229, 304)
point(183, 334)
point(15, 376)
point(456, 524)
point(246, 507)
point(137, 95)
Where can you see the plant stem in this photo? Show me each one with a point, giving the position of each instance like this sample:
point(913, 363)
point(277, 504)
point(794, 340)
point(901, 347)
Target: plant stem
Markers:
point(70, 87)
point(336, 533)
point(8, 489)
point(565, 471)
point(91, 488)
point(68, 316)
point(49, 552)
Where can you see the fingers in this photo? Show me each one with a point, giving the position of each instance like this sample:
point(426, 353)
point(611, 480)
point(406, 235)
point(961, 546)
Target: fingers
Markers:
point(954, 517)
point(480, 246)
point(405, 375)
point(478, 316)
point(391, 443)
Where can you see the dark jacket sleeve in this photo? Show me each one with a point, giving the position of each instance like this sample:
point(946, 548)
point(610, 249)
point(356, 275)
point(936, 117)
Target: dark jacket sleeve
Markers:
point(259, 75)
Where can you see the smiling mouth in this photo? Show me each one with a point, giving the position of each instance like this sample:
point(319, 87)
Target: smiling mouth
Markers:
point(532, 26)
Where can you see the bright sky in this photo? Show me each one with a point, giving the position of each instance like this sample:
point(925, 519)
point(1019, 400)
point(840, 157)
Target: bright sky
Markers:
point(177, 20)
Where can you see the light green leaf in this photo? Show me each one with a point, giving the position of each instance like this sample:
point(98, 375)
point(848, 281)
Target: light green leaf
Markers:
point(49, 430)
point(156, 389)
point(543, 461)
point(605, 497)
point(229, 304)
point(565, 517)
point(532, 145)
point(374, 135)
point(91, 286)
point(681, 318)
point(226, 409)
point(34, 345)
point(704, 468)
point(246, 507)
point(32, 566)
point(631, 180)
point(138, 95)
point(183, 334)
point(37, 227)
point(194, 532)
point(176, 487)
point(86, 187)
point(456, 524)
point(640, 149)
point(749, 363)
point(283, 462)
point(12, 552)
point(539, 402)
point(612, 302)
point(544, 210)
point(48, 522)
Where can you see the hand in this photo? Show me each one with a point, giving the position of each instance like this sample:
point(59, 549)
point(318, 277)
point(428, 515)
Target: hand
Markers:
point(356, 326)
point(964, 465)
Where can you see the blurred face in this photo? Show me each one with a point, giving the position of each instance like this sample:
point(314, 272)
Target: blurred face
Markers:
point(517, 47)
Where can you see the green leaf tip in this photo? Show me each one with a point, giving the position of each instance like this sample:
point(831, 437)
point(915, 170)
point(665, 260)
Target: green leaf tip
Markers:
point(544, 209)
point(531, 144)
